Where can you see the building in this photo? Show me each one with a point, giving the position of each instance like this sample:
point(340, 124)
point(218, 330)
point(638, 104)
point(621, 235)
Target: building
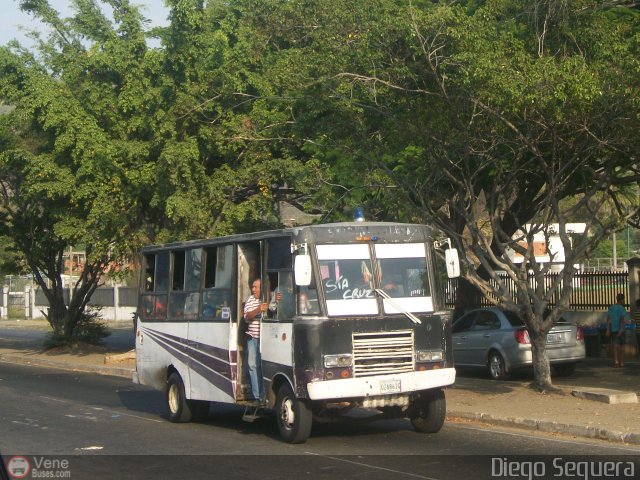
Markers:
point(547, 250)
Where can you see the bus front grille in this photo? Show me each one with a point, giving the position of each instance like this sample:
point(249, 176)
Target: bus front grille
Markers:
point(382, 353)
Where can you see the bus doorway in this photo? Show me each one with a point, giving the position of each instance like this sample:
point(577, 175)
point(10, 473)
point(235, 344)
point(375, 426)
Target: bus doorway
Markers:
point(248, 269)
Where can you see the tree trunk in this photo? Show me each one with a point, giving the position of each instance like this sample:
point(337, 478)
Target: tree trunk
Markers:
point(64, 318)
point(541, 365)
point(57, 309)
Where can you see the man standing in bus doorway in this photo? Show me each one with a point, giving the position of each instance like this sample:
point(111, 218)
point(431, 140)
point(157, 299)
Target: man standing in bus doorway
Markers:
point(253, 310)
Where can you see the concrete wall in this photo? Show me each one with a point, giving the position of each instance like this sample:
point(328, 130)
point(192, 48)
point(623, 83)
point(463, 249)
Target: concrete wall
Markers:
point(118, 303)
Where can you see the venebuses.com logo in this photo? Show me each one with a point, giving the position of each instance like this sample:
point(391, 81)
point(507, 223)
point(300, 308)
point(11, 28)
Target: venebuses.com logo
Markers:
point(38, 467)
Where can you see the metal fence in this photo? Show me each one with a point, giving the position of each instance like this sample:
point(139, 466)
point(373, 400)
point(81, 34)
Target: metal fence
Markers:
point(591, 290)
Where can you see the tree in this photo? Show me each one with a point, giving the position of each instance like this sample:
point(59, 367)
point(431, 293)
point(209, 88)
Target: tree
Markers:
point(76, 164)
point(488, 116)
point(114, 143)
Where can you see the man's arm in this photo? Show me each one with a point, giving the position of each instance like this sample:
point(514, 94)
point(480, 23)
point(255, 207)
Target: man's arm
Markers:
point(254, 312)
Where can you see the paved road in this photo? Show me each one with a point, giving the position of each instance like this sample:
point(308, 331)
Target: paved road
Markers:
point(89, 419)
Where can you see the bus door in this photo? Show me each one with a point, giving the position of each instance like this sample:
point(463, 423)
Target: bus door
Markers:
point(277, 326)
point(249, 268)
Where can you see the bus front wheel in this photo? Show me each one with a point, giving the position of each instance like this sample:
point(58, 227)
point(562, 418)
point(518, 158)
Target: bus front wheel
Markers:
point(293, 415)
point(178, 409)
point(428, 412)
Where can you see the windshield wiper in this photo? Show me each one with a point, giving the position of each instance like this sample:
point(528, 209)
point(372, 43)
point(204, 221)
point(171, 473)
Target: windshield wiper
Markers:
point(388, 298)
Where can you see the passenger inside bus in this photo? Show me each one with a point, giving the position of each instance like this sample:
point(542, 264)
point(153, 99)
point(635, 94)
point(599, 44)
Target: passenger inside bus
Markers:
point(391, 280)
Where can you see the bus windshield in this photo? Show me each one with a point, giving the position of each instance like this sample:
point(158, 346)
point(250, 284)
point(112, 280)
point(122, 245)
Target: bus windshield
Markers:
point(350, 276)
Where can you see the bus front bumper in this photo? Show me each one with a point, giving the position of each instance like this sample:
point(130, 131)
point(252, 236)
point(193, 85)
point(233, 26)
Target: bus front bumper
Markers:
point(381, 385)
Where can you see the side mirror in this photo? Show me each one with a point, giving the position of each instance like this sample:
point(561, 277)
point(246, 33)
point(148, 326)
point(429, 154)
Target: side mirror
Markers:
point(453, 262)
point(302, 270)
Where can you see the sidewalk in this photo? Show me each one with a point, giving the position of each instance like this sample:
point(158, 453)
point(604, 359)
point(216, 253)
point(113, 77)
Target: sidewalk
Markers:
point(474, 398)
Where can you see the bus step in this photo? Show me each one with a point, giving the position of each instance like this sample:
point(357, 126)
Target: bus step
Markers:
point(251, 414)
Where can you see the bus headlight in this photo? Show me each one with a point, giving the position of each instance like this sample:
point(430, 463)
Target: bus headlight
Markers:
point(341, 360)
point(429, 355)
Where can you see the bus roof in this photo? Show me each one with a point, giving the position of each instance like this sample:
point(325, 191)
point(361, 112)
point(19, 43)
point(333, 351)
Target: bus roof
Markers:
point(340, 232)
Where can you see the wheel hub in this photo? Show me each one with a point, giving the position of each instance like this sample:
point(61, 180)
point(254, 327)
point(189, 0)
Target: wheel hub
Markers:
point(287, 414)
point(173, 398)
point(495, 366)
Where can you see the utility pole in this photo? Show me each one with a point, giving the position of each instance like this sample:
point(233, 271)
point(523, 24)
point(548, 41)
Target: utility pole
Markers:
point(615, 251)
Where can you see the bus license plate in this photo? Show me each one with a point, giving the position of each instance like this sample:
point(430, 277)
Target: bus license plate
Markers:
point(390, 386)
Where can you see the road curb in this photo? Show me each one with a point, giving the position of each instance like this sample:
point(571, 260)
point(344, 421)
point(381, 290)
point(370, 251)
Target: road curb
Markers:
point(102, 370)
point(548, 427)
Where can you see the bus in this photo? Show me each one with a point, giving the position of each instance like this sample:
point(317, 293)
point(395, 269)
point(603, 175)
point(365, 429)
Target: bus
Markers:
point(361, 324)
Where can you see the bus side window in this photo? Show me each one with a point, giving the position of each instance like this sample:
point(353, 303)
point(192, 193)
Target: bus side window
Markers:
point(185, 284)
point(178, 271)
point(216, 296)
point(308, 301)
point(282, 302)
point(156, 282)
point(150, 272)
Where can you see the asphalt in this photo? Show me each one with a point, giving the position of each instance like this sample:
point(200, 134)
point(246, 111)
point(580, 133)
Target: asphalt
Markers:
point(596, 402)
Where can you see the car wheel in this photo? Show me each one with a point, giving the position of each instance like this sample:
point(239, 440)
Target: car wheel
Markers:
point(293, 415)
point(178, 409)
point(497, 367)
point(565, 369)
point(428, 414)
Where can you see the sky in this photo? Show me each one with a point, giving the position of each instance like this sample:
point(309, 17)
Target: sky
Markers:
point(12, 18)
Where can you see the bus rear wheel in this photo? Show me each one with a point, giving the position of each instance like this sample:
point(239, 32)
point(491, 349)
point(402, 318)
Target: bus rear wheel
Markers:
point(178, 409)
point(429, 412)
point(293, 415)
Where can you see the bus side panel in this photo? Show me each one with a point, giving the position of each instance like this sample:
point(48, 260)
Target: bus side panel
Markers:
point(308, 354)
point(210, 370)
point(160, 345)
point(276, 351)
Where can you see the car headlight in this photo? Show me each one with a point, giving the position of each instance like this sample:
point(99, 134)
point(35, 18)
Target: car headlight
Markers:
point(429, 355)
point(341, 360)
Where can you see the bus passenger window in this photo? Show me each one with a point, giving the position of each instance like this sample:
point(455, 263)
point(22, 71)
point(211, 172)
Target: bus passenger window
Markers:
point(162, 272)
point(150, 272)
point(279, 253)
point(217, 270)
point(193, 269)
point(178, 271)
point(216, 297)
point(160, 307)
point(308, 301)
point(147, 305)
point(214, 302)
point(210, 267)
point(281, 297)
point(176, 306)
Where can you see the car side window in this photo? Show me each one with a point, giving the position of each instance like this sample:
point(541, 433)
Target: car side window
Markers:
point(487, 321)
point(463, 324)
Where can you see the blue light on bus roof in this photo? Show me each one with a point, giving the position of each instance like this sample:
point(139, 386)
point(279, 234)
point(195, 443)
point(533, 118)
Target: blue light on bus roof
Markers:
point(358, 214)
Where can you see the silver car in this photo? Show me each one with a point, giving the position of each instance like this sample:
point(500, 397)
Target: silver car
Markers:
point(498, 340)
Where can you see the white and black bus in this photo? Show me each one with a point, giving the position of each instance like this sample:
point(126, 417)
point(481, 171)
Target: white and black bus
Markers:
point(361, 324)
